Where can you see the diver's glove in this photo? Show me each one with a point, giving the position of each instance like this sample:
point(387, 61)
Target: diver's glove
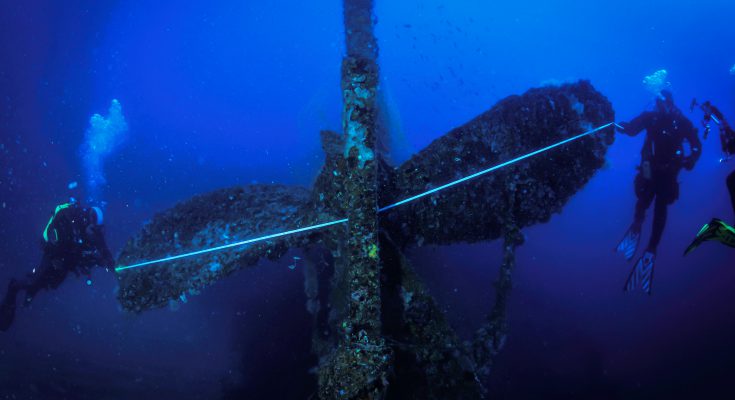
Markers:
point(107, 261)
point(688, 163)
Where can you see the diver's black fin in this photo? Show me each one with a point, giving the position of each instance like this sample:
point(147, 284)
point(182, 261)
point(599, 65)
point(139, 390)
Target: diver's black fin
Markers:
point(715, 230)
point(642, 274)
point(629, 244)
point(7, 315)
point(7, 309)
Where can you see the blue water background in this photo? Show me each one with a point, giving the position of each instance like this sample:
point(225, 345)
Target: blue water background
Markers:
point(221, 93)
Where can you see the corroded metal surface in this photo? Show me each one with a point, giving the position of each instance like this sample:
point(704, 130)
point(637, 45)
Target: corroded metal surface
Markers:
point(540, 186)
point(359, 366)
point(412, 335)
point(217, 218)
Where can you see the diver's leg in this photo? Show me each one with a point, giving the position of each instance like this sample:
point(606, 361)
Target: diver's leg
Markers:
point(41, 277)
point(628, 246)
point(33, 285)
point(660, 214)
point(644, 194)
point(667, 192)
point(665, 188)
point(642, 273)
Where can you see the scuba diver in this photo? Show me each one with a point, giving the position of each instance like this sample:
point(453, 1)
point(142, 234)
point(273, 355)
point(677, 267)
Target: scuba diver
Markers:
point(717, 229)
point(662, 157)
point(73, 241)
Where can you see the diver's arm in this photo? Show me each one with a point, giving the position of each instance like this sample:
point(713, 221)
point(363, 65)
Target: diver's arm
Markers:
point(105, 258)
point(718, 114)
point(108, 261)
point(695, 146)
point(637, 124)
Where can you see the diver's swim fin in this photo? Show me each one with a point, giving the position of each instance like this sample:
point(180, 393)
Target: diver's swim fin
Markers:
point(7, 315)
point(716, 230)
point(642, 274)
point(7, 309)
point(628, 246)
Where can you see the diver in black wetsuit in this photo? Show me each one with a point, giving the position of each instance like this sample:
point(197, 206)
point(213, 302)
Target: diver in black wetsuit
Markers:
point(662, 158)
point(73, 241)
point(717, 229)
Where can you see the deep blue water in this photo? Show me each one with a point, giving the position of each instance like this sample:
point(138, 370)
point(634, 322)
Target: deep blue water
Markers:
point(218, 93)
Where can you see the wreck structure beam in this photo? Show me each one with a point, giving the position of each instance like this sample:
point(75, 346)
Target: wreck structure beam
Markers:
point(360, 365)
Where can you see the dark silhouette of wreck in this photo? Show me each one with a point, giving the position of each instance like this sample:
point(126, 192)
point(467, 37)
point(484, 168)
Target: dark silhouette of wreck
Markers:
point(377, 331)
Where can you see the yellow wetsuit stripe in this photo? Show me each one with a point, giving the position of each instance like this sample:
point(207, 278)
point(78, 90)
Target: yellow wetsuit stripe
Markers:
point(58, 208)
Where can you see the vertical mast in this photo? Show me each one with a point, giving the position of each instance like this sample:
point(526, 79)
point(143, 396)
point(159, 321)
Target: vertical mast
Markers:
point(359, 367)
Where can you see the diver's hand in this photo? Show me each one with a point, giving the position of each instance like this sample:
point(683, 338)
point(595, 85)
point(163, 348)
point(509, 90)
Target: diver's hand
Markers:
point(108, 262)
point(688, 163)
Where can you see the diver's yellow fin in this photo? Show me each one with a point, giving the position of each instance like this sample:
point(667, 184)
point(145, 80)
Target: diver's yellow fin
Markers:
point(716, 230)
